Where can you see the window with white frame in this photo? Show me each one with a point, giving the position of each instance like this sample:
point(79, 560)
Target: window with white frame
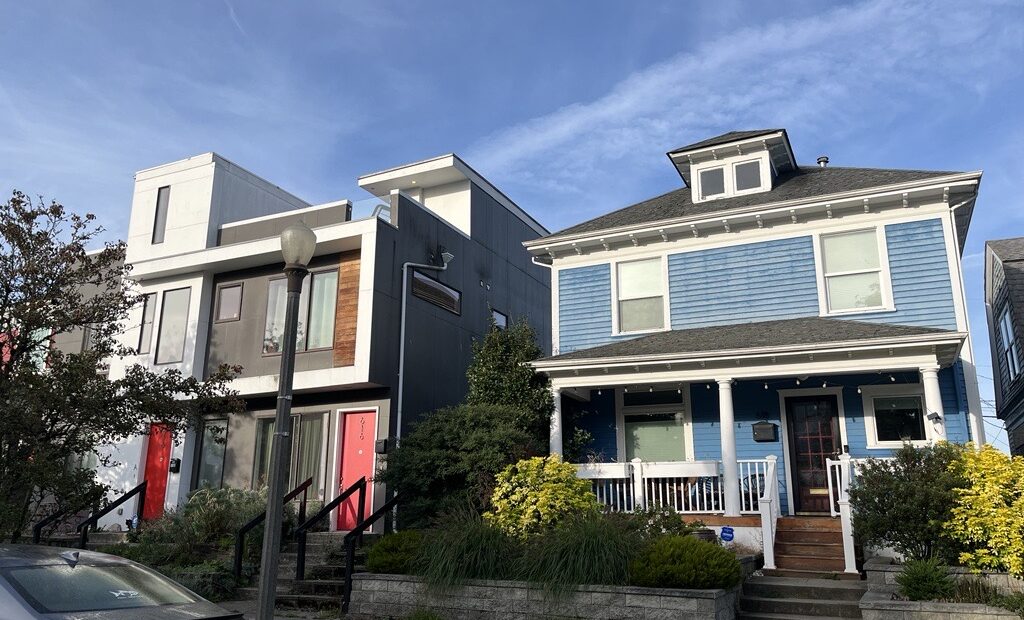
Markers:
point(654, 425)
point(895, 415)
point(1011, 354)
point(712, 182)
point(747, 175)
point(852, 269)
point(640, 290)
point(317, 303)
point(732, 176)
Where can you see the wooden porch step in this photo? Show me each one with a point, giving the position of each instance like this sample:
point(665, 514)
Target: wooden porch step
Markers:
point(809, 562)
point(813, 549)
point(819, 524)
point(808, 536)
point(811, 574)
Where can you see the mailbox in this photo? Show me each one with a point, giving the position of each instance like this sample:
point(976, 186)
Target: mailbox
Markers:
point(381, 447)
point(765, 431)
point(175, 466)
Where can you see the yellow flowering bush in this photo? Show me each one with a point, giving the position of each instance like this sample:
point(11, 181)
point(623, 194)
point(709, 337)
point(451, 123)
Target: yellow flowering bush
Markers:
point(535, 494)
point(988, 516)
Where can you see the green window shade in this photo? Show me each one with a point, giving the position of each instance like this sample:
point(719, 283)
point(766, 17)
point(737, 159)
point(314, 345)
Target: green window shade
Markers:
point(655, 437)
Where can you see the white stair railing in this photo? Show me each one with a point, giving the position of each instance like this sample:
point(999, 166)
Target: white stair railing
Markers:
point(846, 473)
point(768, 506)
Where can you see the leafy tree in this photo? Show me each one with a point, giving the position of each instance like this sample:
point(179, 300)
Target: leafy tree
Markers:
point(450, 458)
point(500, 375)
point(57, 407)
point(536, 494)
point(905, 502)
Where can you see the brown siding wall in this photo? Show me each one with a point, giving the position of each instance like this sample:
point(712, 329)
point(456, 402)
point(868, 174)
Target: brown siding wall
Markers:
point(347, 310)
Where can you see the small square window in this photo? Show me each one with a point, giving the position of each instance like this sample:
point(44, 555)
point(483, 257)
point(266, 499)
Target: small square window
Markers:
point(748, 175)
point(499, 318)
point(712, 182)
point(229, 303)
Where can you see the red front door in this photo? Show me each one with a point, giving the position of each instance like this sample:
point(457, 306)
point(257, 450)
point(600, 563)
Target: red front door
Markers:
point(358, 434)
point(158, 456)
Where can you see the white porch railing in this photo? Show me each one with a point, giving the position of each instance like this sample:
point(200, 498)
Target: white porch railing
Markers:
point(837, 477)
point(769, 505)
point(841, 474)
point(689, 487)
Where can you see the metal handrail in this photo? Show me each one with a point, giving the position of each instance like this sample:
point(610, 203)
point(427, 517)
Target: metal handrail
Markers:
point(300, 532)
point(242, 531)
point(350, 548)
point(94, 517)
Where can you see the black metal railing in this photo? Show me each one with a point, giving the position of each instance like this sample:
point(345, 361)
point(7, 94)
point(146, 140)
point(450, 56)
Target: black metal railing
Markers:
point(300, 532)
point(242, 531)
point(95, 516)
point(350, 547)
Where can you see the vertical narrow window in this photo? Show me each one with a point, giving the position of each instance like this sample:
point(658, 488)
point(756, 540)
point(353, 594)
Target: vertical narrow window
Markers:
point(163, 197)
point(852, 268)
point(211, 454)
point(308, 450)
point(88, 338)
point(148, 314)
point(1011, 354)
point(499, 319)
point(324, 298)
point(264, 442)
point(641, 303)
point(229, 303)
point(170, 340)
point(317, 304)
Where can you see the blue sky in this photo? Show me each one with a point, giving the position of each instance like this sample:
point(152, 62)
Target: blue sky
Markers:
point(569, 107)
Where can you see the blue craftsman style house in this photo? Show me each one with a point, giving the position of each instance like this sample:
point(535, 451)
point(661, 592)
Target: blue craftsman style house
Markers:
point(723, 343)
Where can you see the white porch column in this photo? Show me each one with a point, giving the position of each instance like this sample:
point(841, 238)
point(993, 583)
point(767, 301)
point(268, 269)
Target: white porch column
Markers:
point(933, 400)
point(555, 441)
point(730, 468)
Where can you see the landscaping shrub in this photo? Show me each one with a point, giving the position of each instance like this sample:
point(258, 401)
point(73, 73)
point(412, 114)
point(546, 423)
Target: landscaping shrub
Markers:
point(586, 549)
point(211, 580)
point(538, 493)
point(904, 503)
point(685, 562)
point(654, 521)
point(451, 457)
point(462, 547)
point(925, 580)
point(395, 553)
point(988, 515)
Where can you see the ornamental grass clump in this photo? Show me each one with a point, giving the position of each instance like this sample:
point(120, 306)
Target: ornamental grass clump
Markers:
point(395, 554)
point(987, 517)
point(537, 494)
point(685, 562)
point(925, 580)
point(464, 546)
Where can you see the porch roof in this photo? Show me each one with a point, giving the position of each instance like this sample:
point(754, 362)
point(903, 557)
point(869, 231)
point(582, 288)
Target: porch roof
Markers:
point(758, 337)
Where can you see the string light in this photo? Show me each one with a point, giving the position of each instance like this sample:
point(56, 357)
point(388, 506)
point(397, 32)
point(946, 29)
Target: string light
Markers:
point(598, 392)
point(824, 384)
point(650, 389)
point(798, 381)
point(859, 391)
point(707, 385)
point(766, 385)
point(892, 378)
point(625, 389)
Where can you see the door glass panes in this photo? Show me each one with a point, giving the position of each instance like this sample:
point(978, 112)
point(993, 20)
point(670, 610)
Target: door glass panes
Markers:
point(655, 437)
point(712, 182)
point(170, 342)
point(748, 175)
point(321, 310)
point(899, 418)
point(211, 454)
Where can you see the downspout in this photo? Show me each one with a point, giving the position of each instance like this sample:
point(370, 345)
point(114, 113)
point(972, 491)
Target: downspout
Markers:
point(975, 418)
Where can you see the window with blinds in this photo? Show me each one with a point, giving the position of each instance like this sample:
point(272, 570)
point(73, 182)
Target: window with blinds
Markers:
point(441, 295)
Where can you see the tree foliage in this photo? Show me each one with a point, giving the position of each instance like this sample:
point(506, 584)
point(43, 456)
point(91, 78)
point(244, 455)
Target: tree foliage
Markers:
point(537, 493)
point(449, 459)
point(500, 374)
point(904, 503)
point(57, 407)
point(988, 516)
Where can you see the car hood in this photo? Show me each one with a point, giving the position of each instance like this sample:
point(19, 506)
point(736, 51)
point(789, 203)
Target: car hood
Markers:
point(202, 610)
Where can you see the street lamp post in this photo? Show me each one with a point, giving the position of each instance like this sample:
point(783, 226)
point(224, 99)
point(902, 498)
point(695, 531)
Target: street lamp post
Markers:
point(297, 245)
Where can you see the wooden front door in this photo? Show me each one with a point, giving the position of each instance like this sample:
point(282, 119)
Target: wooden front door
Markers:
point(358, 435)
point(813, 437)
point(158, 456)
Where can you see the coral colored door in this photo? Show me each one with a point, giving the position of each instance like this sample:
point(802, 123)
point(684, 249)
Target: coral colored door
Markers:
point(358, 434)
point(158, 456)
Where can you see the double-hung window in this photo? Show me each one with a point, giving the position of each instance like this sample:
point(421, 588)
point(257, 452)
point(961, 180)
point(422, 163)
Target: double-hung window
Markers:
point(316, 313)
point(1011, 354)
point(852, 269)
point(641, 295)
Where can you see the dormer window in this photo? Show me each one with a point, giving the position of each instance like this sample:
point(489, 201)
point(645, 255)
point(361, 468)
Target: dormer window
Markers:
point(712, 182)
point(748, 175)
point(732, 176)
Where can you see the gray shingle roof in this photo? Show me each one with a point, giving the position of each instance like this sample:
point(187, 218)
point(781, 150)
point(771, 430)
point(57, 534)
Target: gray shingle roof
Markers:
point(1008, 249)
point(780, 333)
point(804, 182)
point(725, 138)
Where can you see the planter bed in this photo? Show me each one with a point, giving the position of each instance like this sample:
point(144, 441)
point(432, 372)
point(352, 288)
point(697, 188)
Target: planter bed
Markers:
point(384, 596)
point(878, 604)
point(882, 571)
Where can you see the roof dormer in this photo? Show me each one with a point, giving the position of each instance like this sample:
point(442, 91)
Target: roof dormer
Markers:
point(734, 164)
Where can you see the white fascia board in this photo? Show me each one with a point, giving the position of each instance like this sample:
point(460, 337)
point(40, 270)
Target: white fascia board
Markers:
point(280, 214)
point(932, 340)
point(330, 239)
point(305, 380)
point(542, 247)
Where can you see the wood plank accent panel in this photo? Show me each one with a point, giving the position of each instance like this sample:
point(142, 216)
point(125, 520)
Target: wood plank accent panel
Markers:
point(347, 310)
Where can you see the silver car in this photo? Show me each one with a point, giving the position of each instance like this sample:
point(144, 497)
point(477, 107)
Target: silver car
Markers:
point(68, 584)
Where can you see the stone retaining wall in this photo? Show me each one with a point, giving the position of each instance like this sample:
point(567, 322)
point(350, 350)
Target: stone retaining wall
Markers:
point(882, 572)
point(384, 596)
point(879, 605)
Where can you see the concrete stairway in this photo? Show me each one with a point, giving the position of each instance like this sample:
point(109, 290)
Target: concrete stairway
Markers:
point(768, 598)
point(96, 540)
point(325, 573)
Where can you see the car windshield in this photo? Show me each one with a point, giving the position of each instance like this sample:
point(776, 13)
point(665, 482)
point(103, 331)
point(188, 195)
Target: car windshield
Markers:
point(63, 588)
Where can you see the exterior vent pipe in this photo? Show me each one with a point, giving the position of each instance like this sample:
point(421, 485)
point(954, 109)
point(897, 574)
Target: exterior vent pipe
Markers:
point(823, 161)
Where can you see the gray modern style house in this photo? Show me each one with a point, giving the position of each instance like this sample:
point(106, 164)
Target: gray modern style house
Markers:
point(204, 247)
point(1004, 308)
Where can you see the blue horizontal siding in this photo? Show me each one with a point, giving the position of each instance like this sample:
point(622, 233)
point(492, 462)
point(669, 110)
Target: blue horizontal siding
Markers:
point(919, 272)
point(760, 281)
point(584, 307)
point(596, 417)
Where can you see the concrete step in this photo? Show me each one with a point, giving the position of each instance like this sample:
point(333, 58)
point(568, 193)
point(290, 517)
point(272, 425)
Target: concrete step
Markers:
point(808, 536)
point(828, 575)
point(327, 587)
point(307, 601)
point(826, 524)
point(761, 616)
point(800, 607)
point(815, 549)
point(815, 589)
point(809, 562)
